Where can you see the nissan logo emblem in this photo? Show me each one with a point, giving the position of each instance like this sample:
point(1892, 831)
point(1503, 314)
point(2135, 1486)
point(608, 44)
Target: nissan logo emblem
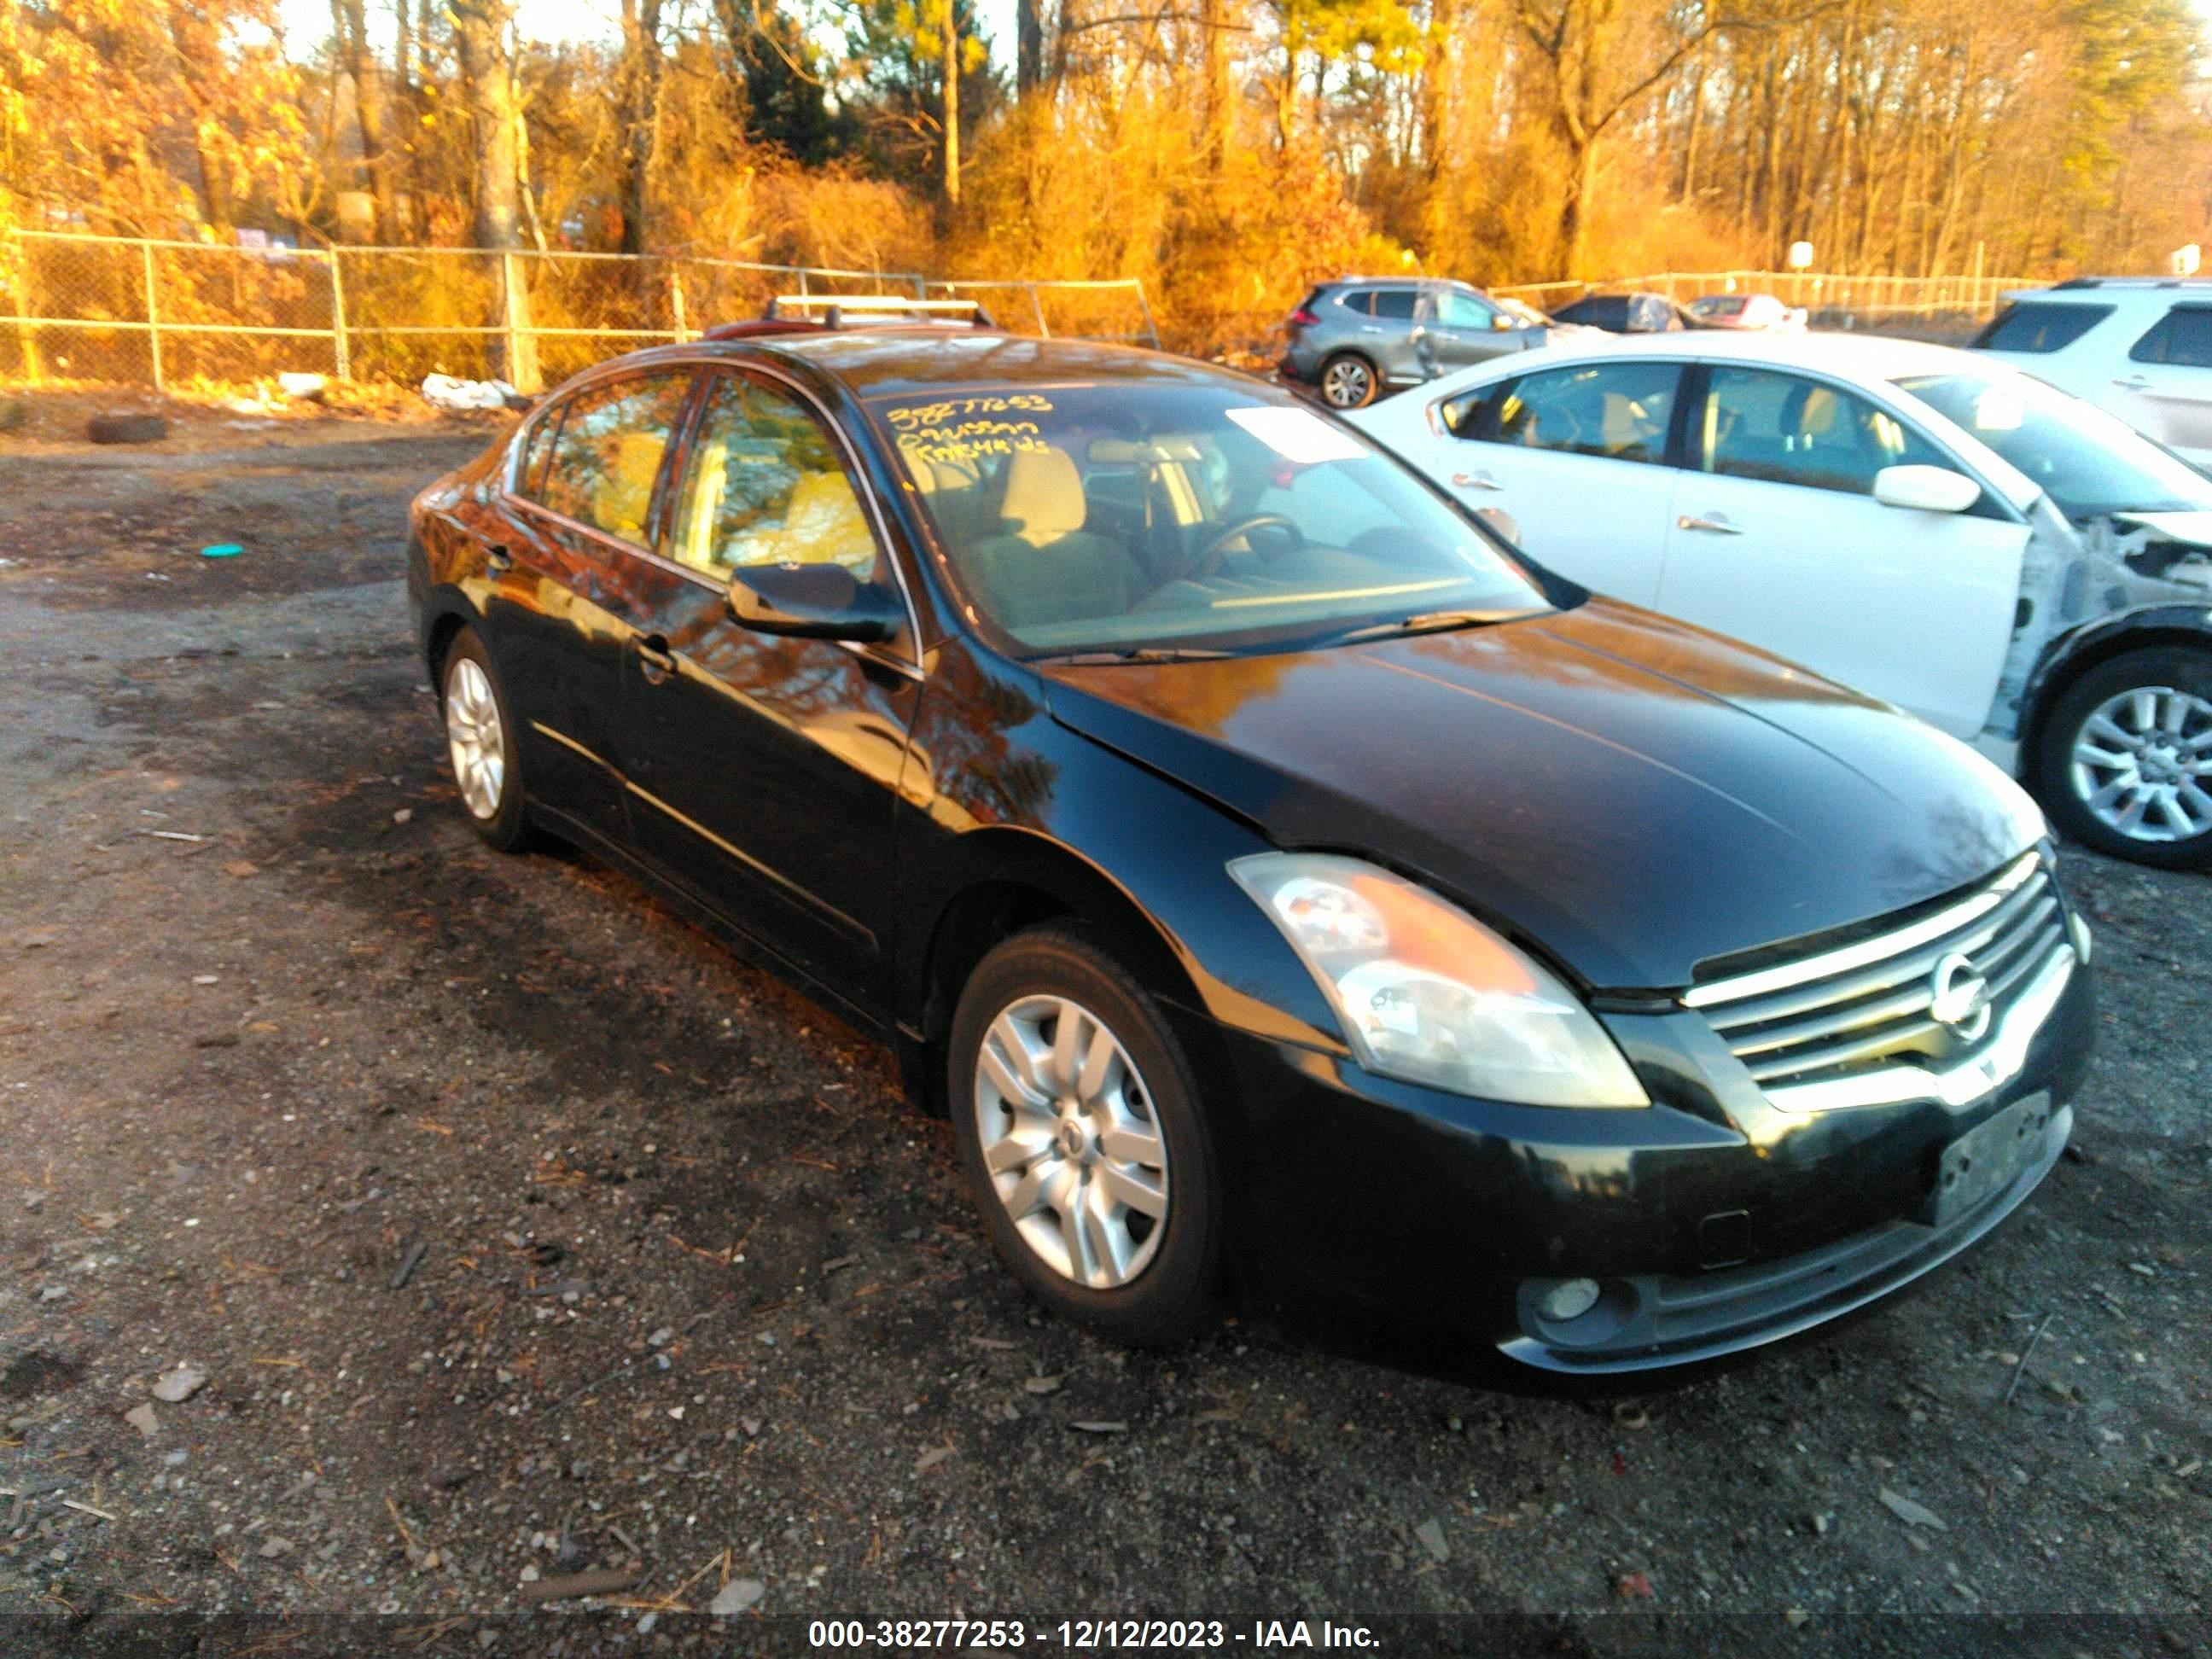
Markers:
point(1960, 996)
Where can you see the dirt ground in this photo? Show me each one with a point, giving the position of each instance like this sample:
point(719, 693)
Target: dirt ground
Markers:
point(518, 1231)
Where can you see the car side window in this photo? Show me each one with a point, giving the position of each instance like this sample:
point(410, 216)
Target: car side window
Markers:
point(1618, 410)
point(1361, 299)
point(1457, 310)
point(767, 486)
point(536, 447)
point(1397, 302)
point(2182, 339)
point(1785, 429)
point(601, 466)
point(2029, 326)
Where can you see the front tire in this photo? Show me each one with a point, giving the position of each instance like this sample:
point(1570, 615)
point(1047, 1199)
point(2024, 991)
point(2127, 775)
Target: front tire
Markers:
point(2124, 759)
point(1348, 380)
point(1077, 1128)
point(480, 742)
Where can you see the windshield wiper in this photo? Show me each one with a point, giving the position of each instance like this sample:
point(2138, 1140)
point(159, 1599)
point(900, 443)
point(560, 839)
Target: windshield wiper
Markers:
point(1135, 653)
point(1431, 621)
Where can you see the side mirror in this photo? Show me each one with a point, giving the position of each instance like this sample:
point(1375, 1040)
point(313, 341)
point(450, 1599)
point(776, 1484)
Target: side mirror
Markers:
point(812, 602)
point(1928, 488)
point(1502, 320)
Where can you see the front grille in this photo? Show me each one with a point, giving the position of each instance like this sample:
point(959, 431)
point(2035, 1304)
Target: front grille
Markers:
point(1836, 1010)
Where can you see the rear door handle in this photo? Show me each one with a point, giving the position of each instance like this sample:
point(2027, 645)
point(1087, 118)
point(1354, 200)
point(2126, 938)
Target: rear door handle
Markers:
point(1718, 523)
point(1370, 328)
point(499, 560)
point(1475, 481)
point(2133, 382)
point(655, 657)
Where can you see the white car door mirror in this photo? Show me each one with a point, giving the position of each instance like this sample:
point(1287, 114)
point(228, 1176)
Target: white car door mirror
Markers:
point(1929, 488)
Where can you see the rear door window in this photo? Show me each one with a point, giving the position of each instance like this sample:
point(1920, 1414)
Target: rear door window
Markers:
point(603, 465)
point(2183, 339)
point(2040, 327)
point(1618, 410)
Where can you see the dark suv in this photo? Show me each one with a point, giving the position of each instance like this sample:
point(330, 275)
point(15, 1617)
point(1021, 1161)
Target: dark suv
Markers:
point(1357, 339)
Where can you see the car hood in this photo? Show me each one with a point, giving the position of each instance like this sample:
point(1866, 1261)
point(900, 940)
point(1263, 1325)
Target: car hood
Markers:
point(1633, 795)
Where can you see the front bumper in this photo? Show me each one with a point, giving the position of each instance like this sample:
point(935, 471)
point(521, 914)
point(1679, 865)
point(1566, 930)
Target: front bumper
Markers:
point(1387, 1212)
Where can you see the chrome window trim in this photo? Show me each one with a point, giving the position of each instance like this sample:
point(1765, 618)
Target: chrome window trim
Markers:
point(1867, 951)
point(910, 667)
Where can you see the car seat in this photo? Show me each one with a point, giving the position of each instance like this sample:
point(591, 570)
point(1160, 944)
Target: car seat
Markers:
point(1043, 567)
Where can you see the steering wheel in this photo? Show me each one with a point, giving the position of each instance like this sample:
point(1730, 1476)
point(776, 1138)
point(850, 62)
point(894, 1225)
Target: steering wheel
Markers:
point(1207, 559)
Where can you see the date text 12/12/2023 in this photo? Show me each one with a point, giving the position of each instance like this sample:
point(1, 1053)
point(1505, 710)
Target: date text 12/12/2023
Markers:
point(1088, 1635)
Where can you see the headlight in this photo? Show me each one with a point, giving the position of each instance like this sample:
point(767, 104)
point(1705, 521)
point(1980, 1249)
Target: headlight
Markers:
point(1427, 993)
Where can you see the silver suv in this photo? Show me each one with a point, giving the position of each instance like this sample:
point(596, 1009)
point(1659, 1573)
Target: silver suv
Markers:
point(1359, 337)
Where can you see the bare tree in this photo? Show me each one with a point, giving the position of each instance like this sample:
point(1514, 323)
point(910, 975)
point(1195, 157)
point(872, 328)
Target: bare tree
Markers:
point(641, 112)
point(482, 32)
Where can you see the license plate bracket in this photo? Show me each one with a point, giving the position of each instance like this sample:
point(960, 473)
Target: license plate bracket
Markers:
point(1988, 1158)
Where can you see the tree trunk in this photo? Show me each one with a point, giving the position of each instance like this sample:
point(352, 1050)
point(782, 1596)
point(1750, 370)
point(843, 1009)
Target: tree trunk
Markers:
point(1029, 47)
point(1575, 201)
point(368, 108)
point(640, 88)
point(1212, 21)
point(488, 74)
point(951, 43)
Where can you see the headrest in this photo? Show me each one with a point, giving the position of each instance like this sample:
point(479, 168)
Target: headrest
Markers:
point(1044, 497)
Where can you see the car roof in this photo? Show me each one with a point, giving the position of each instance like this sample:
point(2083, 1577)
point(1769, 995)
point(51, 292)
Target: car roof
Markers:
point(2106, 290)
point(1872, 356)
point(892, 361)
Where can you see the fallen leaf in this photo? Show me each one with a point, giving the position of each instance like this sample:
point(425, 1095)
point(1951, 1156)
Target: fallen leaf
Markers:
point(1912, 1514)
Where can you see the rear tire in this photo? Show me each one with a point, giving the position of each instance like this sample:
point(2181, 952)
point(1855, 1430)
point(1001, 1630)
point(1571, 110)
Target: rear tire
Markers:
point(2123, 761)
point(1348, 380)
point(482, 745)
point(1077, 1128)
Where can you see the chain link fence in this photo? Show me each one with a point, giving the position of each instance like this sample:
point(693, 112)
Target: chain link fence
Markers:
point(162, 314)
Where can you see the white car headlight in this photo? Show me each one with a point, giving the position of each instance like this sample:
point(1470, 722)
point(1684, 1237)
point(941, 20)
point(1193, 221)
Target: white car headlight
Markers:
point(1427, 993)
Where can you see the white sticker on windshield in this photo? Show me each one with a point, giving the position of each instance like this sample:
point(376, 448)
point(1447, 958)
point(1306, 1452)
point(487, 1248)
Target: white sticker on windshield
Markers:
point(1299, 436)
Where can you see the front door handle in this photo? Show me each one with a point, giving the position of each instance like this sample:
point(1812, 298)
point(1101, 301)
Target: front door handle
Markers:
point(1475, 481)
point(655, 658)
point(499, 559)
point(1718, 523)
point(2133, 382)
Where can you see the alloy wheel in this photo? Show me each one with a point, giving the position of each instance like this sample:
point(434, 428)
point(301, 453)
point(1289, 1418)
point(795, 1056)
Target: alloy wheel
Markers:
point(1071, 1141)
point(474, 738)
point(2141, 763)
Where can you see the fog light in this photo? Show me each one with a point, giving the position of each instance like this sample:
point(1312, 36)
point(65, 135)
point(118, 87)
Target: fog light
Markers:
point(2080, 930)
point(1570, 1298)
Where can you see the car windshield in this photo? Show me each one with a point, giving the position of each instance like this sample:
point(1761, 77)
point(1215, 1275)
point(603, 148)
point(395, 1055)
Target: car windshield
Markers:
point(1125, 517)
point(2088, 462)
point(1719, 305)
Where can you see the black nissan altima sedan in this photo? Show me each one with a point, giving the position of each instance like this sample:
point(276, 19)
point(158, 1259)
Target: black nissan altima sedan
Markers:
point(1293, 894)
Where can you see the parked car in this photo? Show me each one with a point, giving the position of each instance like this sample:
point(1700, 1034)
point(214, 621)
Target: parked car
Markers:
point(1626, 314)
point(1361, 337)
point(1268, 870)
point(1749, 311)
point(2004, 561)
point(2140, 348)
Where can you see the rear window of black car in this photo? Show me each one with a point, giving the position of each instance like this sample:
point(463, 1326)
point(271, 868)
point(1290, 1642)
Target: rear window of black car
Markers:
point(2034, 327)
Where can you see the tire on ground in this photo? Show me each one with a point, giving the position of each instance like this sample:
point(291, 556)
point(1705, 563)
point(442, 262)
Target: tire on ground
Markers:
point(1172, 1296)
point(2180, 668)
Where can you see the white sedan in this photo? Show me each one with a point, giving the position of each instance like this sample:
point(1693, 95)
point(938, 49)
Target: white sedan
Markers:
point(2011, 564)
